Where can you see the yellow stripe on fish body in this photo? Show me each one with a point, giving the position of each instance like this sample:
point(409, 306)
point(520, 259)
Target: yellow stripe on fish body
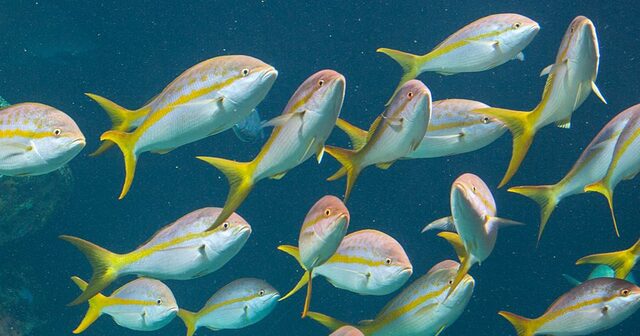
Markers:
point(590, 167)
point(571, 79)
point(36, 139)
point(300, 132)
point(481, 45)
point(183, 250)
point(593, 306)
point(205, 100)
point(142, 304)
point(396, 132)
point(241, 303)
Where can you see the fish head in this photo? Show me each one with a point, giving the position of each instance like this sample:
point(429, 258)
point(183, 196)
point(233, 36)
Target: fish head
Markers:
point(160, 305)
point(322, 231)
point(396, 268)
point(442, 276)
point(471, 195)
point(411, 104)
point(320, 93)
point(263, 298)
point(580, 43)
point(515, 30)
point(248, 79)
point(63, 138)
point(232, 233)
point(623, 296)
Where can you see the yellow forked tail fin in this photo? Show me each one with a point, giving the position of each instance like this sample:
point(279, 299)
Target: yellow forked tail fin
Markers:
point(357, 136)
point(602, 188)
point(410, 64)
point(126, 143)
point(327, 321)
point(105, 267)
point(349, 167)
point(190, 319)
point(622, 262)
point(122, 119)
point(523, 326)
point(96, 304)
point(463, 256)
point(240, 177)
point(294, 252)
point(546, 196)
point(522, 129)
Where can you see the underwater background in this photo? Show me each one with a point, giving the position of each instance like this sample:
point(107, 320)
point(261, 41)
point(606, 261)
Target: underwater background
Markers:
point(54, 51)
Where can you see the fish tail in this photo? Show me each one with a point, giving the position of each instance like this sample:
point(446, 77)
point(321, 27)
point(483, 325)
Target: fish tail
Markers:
point(189, 319)
point(105, 267)
point(122, 119)
point(357, 136)
point(410, 64)
point(307, 299)
point(604, 189)
point(294, 252)
point(522, 129)
point(126, 144)
point(240, 177)
point(546, 196)
point(349, 167)
point(455, 241)
point(96, 304)
point(327, 321)
point(621, 262)
point(523, 326)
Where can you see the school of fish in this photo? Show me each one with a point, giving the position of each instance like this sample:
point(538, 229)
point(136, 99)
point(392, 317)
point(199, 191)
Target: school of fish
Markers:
point(223, 92)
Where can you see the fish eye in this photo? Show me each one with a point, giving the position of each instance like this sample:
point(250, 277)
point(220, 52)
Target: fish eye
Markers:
point(625, 292)
point(473, 188)
point(327, 212)
point(245, 72)
point(57, 132)
point(451, 281)
point(321, 82)
point(159, 302)
point(388, 261)
point(261, 292)
point(517, 25)
point(485, 120)
point(409, 94)
point(225, 225)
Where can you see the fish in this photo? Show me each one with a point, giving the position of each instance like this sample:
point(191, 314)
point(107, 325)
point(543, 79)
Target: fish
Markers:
point(453, 129)
point(622, 262)
point(3, 103)
point(239, 304)
point(367, 262)
point(182, 250)
point(420, 309)
point(347, 331)
point(625, 162)
point(395, 133)
point(142, 304)
point(481, 45)
point(571, 78)
point(205, 100)
point(590, 167)
point(299, 133)
point(250, 129)
point(591, 307)
point(473, 214)
point(600, 271)
point(36, 139)
point(321, 234)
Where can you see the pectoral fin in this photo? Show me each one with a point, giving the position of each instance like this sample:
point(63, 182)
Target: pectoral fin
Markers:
point(564, 123)
point(308, 151)
point(596, 91)
point(278, 176)
point(283, 119)
point(546, 70)
point(384, 165)
point(442, 224)
point(519, 57)
point(320, 154)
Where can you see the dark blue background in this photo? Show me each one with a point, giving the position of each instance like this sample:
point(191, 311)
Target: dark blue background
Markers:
point(131, 51)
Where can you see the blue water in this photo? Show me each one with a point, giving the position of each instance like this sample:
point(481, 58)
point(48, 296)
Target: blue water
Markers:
point(129, 52)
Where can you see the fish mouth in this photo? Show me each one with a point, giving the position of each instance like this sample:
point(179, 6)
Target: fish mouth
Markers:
point(407, 270)
point(244, 229)
point(269, 73)
point(78, 142)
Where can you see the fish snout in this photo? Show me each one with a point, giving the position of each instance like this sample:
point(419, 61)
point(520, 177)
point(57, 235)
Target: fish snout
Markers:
point(269, 73)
